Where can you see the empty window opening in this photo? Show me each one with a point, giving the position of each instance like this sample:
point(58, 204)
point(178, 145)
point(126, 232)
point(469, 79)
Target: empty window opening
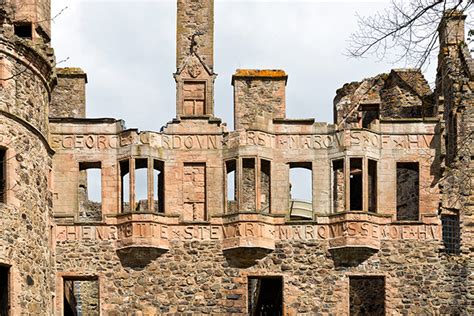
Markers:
point(338, 185)
point(265, 296)
point(3, 177)
point(231, 186)
point(301, 190)
point(90, 191)
point(159, 186)
point(248, 184)
point(265, 185)
point(407, 191)
point(356, 184)
point(141, 185)
point(370, 114)
point(451, 234)
point(23, 30)
point(81, 297)
point(367, 295)
point(194, 192)
point(125, 185)
point(4, 291)
point(372, 185)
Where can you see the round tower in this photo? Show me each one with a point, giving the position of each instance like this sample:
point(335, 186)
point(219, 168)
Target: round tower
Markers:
point(26, 79)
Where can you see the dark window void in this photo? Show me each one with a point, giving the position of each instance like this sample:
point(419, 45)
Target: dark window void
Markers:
point(90, 191)
point(370, 113)
point(301, 190)
point(248, 184)
point(338, 185)
point(265, 295)
point(367, 296)
point(24, 30)
point(125, 185)
point(3, 176)
point(265, 187)
point(4, 291)
point(451, 234)
point(159, 186)
point(141, 185)
point(407, 191)
point(372, 185)
point(81, 297)
point(231, 185)
point(356, 185)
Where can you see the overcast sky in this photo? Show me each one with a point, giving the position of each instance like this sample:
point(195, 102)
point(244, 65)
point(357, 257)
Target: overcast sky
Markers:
point(128, 50)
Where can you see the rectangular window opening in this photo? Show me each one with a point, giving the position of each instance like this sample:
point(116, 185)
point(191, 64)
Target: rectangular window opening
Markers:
point(3, 176)
point(248, 189)
point(338, 185)
point(4, 290)
point(125, 185)
point(231, 185)
point(24, 30)
point(370, 114)
point(265, 185)
point(90, 190)
point(141, 185)
point(356, 185)
point(372, 182)
point(301, 190)
point(451, 234)
point(81, 297)
point(159, 186)
point(265, 296)
point(408, 191)
point(367, 295)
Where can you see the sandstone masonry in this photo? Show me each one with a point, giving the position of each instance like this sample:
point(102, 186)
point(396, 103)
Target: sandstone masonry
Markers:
point(201, 219)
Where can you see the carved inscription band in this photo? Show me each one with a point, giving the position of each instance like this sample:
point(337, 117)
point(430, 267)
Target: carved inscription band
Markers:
point(247, 229)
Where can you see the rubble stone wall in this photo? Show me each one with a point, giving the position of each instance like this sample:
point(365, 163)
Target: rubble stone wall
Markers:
point(197, 277)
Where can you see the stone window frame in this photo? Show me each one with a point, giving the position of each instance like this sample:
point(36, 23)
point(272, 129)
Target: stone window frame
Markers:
point(63, 276)
point(238, 174)
point(90, 164)
point(387, 288)
point(206, 185)
point(418, 162)
point(206, 110)
point(308, 165)
point(236, 186)
point(365, 183)
point(263, 275)
point(150, 183)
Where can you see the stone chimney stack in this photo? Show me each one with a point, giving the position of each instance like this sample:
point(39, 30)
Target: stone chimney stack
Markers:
point(451, 28)
point(259, 97)
point(69, 96)
point(195, 59)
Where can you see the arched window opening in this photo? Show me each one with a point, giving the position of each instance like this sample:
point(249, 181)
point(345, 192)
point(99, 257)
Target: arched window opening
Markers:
point(301, 190)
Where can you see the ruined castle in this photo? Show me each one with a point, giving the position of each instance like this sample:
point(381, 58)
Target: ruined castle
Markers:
point(199, 218)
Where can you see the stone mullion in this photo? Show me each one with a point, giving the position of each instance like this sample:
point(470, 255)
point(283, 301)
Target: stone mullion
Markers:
point(258, 184)
point(150, 180)
point(347, 183)
point(365, 184)
point(132, 184)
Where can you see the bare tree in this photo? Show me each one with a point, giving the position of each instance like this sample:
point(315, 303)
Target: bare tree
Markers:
point(408, 29)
